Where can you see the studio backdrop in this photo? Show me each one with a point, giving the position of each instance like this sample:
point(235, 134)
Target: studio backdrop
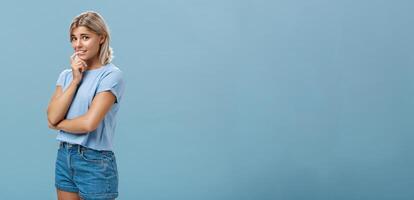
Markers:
point(225, 99)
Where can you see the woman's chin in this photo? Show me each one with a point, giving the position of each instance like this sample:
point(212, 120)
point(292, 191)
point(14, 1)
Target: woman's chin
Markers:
point(83, 57)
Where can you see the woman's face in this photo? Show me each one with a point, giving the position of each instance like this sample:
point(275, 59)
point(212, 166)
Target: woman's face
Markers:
point(85, 43)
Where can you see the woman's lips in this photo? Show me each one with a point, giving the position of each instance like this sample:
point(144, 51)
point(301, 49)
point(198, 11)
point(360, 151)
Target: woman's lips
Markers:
point(81, 52)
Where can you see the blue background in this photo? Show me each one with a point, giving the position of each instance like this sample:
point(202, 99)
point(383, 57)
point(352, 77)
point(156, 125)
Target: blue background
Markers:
point(284, 99)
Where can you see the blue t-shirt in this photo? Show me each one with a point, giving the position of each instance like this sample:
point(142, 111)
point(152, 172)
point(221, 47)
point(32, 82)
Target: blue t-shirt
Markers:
point(106, 78)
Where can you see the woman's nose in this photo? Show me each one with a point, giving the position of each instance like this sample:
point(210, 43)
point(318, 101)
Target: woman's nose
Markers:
point(78, 43)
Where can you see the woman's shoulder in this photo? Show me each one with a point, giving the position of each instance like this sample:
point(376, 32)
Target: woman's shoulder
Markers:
point(111, 73)
point(113, 70)
point(65, 72)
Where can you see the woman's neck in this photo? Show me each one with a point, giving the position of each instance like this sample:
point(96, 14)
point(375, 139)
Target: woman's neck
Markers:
point(93, 63)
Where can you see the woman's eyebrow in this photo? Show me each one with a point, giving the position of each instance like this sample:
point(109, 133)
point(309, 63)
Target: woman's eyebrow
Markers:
point(82, 34)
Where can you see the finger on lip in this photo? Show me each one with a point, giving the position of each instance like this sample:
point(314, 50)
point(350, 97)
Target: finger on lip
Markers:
point(73, 56)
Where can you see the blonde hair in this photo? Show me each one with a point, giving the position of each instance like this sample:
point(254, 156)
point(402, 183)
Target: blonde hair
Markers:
point(95, 22)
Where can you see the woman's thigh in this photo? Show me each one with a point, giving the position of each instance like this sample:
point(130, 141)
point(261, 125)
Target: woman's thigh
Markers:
point(63, 195)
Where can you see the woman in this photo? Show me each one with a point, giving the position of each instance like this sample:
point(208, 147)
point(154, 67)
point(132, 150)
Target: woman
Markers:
point(83, 108)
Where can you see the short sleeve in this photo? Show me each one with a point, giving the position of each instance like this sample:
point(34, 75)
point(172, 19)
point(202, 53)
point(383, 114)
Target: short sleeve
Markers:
point(114, 83)
point(62, 78)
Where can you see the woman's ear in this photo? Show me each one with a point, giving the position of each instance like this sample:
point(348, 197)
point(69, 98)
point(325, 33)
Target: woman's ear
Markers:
point(102, 39)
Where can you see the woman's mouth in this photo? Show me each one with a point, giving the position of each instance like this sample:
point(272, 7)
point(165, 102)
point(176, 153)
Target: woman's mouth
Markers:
point(80, 52)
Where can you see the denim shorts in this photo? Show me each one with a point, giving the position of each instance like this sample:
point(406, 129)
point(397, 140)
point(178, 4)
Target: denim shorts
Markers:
point(90, 173)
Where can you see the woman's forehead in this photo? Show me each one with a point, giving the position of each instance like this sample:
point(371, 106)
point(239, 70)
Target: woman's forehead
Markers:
point(81, 30)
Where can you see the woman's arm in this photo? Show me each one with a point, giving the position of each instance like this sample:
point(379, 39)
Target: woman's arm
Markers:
point(60, 102)
point(88, 122)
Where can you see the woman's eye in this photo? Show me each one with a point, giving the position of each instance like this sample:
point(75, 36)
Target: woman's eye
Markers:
point(85, 37)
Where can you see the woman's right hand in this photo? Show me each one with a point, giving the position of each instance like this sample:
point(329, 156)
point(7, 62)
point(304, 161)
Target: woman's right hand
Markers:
point(78, 67)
